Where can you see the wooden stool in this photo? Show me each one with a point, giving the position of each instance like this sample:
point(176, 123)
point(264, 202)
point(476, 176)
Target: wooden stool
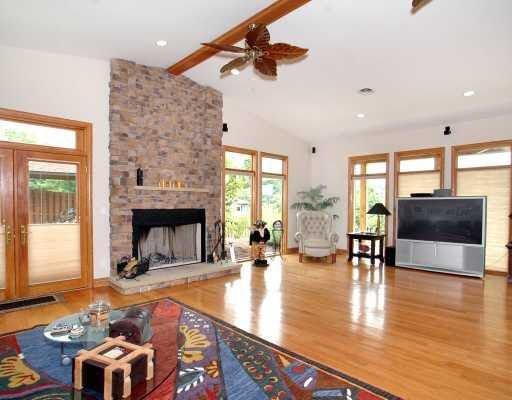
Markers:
point(114, 367)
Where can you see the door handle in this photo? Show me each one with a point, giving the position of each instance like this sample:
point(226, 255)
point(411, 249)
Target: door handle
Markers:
point(8, 233)
point(23, 235)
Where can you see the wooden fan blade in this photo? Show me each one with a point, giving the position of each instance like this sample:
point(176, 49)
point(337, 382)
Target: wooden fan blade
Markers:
point(236, 63)
point(258, 37)
point(280, 51)
point(266, 66)
point(224, 47)
point(419, 3)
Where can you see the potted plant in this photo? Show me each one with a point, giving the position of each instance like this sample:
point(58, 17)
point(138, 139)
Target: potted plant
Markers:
point(314, 200)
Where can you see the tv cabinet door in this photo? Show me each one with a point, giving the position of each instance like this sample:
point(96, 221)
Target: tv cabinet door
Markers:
point(449, 256)
point(423, 253)
point(403, 252)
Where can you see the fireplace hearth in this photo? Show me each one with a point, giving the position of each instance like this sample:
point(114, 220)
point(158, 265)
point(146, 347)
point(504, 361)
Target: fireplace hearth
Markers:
point(169, 237)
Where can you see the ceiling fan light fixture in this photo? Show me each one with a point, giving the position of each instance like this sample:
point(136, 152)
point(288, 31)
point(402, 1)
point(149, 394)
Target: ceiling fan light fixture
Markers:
point(235, 71)
point(161, 43)
point(366, 91)
point(360, 115)
point(469, 93)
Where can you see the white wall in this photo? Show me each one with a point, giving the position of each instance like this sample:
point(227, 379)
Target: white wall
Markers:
point(69, 87)
point(250, 131)
point(330, 164)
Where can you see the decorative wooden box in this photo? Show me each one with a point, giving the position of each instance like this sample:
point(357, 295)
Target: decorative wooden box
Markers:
point(113, 367)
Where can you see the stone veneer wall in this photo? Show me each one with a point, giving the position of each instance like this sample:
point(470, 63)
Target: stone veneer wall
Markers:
point(169, 126)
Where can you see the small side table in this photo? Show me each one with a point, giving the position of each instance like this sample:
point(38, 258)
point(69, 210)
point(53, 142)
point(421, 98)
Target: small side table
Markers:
point(372, 237)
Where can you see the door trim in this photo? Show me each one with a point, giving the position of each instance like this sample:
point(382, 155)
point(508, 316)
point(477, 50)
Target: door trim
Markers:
point(7, 204)
point(84, 132)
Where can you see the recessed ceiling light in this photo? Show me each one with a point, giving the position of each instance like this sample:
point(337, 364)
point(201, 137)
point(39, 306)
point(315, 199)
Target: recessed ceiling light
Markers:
point(366, 91)
point(161, 43)
point(235, 71)
point(360, 115)
point(469, 93)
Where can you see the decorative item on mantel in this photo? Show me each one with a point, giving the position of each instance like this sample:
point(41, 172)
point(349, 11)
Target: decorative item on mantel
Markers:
point(140, 177)
point(166, 183)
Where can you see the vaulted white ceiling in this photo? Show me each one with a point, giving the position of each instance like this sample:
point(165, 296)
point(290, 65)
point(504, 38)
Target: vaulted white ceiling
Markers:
point(419, 65)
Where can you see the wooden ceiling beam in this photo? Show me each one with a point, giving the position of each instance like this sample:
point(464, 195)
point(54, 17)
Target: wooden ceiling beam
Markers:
point(272, 13)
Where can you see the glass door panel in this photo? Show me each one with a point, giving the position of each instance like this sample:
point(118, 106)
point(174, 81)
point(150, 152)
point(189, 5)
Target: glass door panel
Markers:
point(375, 193)
point(50, 232)
point(238, 195)
point(356, 203)
point(52, 206)
point(272, 208)
point(7, 277)
point(495, 184)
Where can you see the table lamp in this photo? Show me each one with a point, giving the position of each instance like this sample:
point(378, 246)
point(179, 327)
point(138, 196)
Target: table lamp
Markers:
point(378, 209)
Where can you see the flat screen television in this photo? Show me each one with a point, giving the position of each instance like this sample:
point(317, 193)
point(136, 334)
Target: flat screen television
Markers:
point(444, 219)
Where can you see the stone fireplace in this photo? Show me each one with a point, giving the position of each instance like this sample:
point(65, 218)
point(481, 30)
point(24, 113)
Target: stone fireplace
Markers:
point(171, 128)
point(169, 238)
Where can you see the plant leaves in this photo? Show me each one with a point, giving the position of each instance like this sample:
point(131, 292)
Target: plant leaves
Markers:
point(281, 51)
point(266, 66)
point(313, 199)
point(258, 37)
point(236, 63)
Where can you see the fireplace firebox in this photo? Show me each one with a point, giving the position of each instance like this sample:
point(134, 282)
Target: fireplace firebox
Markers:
point(169, 237)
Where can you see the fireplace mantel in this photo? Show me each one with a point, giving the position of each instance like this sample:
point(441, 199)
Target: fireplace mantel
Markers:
point(173, 189)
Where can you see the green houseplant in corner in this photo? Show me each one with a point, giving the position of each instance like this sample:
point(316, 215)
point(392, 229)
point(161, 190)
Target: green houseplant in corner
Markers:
point(314, 200)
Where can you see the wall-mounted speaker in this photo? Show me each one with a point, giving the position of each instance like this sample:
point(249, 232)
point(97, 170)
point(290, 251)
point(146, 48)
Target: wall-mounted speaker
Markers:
point(447, 131)
point(313, 150)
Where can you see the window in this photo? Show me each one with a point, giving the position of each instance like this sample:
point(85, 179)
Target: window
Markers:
point(485, 170)
point(273, 202)
point(418, 171)
point(367, 186)
point(239, 198)
point(19, 132)
point(240, 161)
point(255, 187)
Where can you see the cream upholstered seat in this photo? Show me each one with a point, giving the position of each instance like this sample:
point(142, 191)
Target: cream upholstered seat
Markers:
point(315, 235)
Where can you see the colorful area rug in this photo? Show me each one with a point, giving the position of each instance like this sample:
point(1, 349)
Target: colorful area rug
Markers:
point(197, 358)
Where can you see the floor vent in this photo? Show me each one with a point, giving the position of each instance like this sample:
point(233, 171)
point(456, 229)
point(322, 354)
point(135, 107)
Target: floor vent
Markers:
point(15, 305)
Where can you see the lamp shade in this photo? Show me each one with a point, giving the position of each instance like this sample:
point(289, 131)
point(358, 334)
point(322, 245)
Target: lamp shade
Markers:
point(378, 209)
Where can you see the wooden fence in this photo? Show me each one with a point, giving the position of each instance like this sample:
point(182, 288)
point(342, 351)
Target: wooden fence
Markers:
point(51, 207)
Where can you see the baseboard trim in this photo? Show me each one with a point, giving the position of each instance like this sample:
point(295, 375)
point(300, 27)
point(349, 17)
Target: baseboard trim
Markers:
point(295, 250)
point(499, 273)
point(101, 282)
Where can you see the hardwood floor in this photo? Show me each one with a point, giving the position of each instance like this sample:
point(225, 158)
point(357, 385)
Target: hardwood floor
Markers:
point(418, 335)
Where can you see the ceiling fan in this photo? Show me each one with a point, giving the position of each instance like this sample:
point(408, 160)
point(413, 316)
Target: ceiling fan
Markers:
point(417, 4)
point(259, 51)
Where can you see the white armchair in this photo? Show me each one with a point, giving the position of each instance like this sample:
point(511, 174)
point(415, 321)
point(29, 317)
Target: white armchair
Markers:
point(315, 235)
